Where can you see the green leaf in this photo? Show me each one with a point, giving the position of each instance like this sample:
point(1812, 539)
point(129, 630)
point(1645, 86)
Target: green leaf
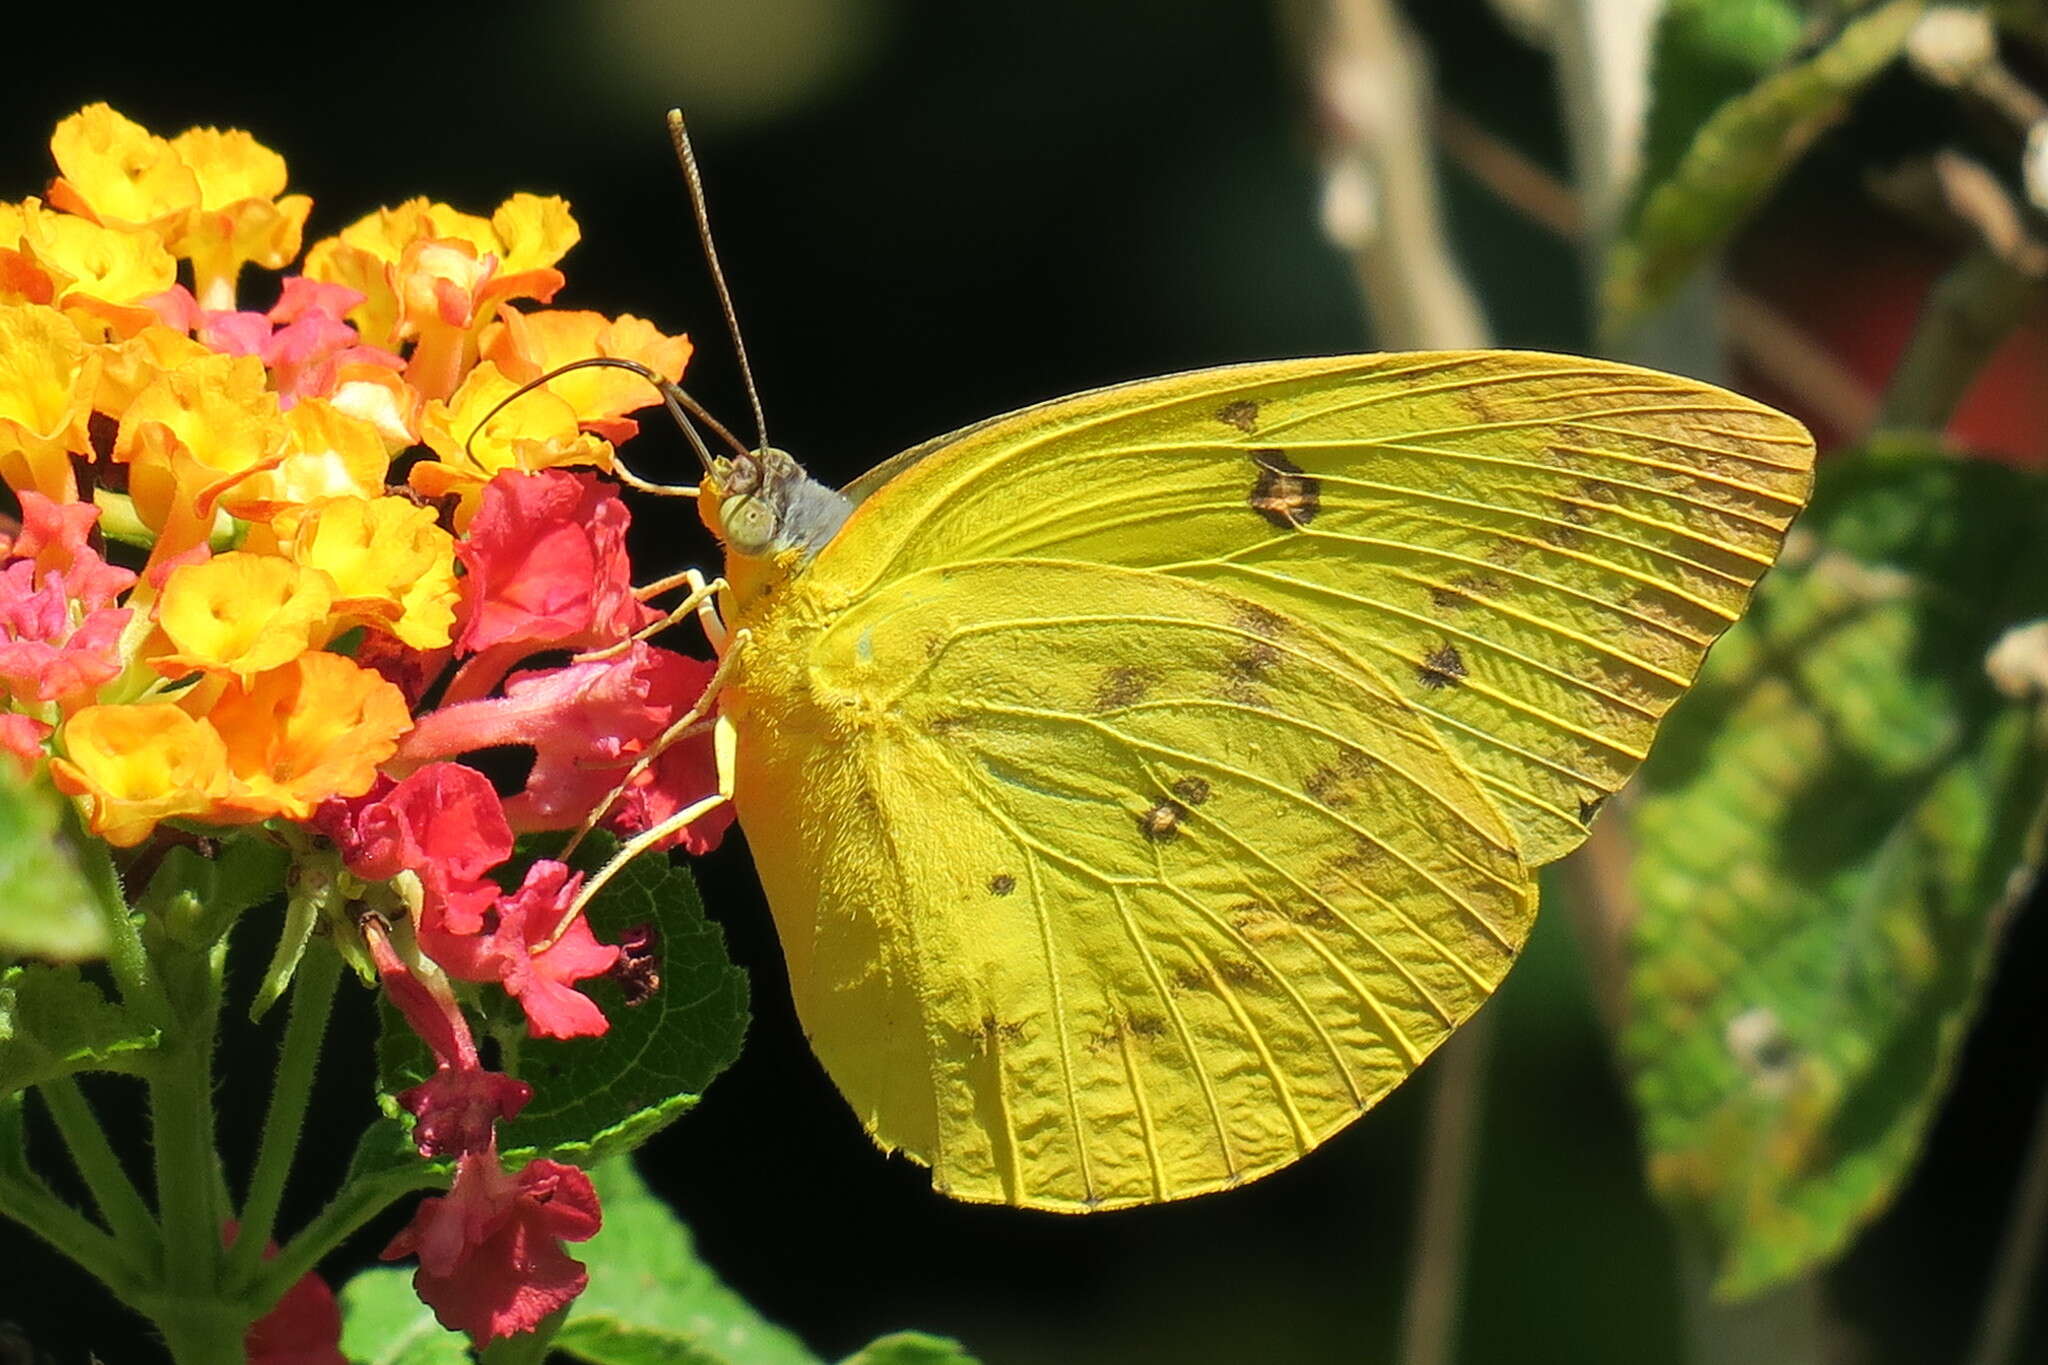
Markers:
point(54, 1022)
point(596, 1096)
point(1690, 200)
point(49, 910)
point(652, 1301)
point(1826, 836)
point(911, 1348)
point(384, 1323)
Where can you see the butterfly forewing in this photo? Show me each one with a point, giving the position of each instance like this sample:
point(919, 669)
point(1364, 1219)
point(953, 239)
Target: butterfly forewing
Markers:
point(1536, 549)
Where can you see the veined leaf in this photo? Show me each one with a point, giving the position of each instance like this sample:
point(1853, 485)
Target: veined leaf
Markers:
point(54, 1022)
point(596, 1096)
point(1825, 837)
point(1690, 203)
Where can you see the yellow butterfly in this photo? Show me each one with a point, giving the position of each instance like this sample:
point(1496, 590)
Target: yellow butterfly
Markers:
point(1145, 782)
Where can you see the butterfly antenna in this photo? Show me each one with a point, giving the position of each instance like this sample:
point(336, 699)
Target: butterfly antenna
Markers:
point(680, 405)
point(680, 136)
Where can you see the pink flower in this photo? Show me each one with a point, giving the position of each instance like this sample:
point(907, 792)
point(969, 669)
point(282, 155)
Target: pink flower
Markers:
point(21, 738)
point(304, 1328)
point(510, 952)
point(491, 1260)
point(59, 637)
point(587, 723)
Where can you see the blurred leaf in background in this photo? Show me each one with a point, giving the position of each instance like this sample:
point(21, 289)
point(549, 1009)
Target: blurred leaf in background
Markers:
point(1826, 839)
point(1727, 122)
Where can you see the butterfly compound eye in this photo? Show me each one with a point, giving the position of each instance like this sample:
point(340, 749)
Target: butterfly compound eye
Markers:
point(749, 525)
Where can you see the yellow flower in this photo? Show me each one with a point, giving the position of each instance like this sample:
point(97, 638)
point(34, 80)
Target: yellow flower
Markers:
point(119, 174)
point(433, 276)
point(527, 345)
point(537, 432)
point(101, 275)
point(47, 378)
point(393, 568)
point(136, 765)
point(130, 365)
point(327, 454)
point(241, 613)
point(315, 728)
point(243, 214)
point(190, 437)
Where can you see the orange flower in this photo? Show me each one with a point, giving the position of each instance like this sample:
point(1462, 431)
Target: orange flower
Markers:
point(100, 275)
point(190, 437)
point(119, 174)
point(47, 378)
point(527, 345)
point(315, 728)
point(136, 765)
point(393, 568)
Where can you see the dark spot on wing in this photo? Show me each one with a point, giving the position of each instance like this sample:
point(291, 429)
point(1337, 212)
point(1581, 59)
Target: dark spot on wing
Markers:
point(1589, 809)
point(1237, 971)
point(1122, 686)
point(1192, 790)
point(1161, 824)
point(1258, 620)
point(1442, 667)
point(1282, 493)
point(1002, 884)
point(1242, 414)
point(1145, 1026)
point(1245, 670)
point(1564, 537)
point(1577, 513)
point(1340, 782)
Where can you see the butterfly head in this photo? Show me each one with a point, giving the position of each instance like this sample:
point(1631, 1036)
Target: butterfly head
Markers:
point(764, 506)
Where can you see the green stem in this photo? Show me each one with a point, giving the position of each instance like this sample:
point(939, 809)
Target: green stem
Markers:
point(201, 1331)
point(1429, 1318)
point(126, 957)
point(312, 999)
point(120, 1203)
point(187, 1164)
point(357, 1204)
point(30, 1203)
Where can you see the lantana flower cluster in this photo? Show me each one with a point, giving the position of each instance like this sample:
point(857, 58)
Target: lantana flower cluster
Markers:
point(274, 570)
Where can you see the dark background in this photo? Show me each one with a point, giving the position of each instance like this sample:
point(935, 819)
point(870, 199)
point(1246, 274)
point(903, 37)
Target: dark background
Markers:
point(931, 213)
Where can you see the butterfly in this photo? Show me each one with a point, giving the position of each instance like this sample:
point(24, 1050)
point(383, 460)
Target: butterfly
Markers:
point(1144, 783)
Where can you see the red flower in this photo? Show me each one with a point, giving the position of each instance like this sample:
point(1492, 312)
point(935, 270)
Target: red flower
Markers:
point(457, 1108)
point(491, 1261)
point(510, 953)
point(444, 822)
point(545, 567)
point(304, 1328)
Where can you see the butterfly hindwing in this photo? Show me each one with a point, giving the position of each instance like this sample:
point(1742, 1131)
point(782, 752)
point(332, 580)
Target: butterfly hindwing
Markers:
point(1180, 888)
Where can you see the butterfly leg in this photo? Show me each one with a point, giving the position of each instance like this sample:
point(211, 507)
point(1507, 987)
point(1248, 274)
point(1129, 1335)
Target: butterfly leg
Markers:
point(703, 600)
point(725, 753)
point(691, 722)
